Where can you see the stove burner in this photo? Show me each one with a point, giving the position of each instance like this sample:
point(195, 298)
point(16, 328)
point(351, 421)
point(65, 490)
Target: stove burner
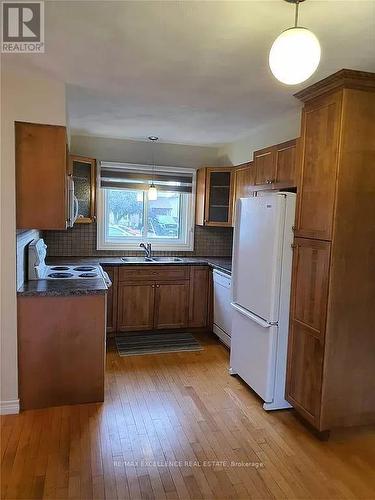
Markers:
point(60, 275)
point(87, 275)
point(59, 268)
point(84, 268)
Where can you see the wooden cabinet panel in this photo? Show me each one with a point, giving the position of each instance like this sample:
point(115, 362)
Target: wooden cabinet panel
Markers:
point(135, 310)
point(199, 294)
point(244, 178)
point(171, 305)
point(150, 272)
point(310, 283)
point(83, 171)
point(61, 350)
point(305, 366)
point(311, 261)
point(286, 163)
point(265, 165)
point(200, 196)
point(41, 176)
point(320, 144)
point(112, 298)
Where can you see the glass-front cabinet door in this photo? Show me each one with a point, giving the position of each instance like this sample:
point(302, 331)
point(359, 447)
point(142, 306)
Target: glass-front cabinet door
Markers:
point(83, 171)
point(219, 197)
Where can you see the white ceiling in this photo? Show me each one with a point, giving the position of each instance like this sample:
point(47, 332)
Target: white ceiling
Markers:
point(192, 72)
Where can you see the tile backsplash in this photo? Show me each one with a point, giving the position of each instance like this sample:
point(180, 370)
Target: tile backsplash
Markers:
point(80, 241)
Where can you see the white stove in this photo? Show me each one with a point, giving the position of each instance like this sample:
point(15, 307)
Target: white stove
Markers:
point(38, 269)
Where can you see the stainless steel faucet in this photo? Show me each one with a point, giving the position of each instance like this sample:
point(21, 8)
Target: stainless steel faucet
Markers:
point(147, 248)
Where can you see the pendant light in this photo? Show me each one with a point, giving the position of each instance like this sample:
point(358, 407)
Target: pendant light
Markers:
point(152, 191)
point(295, 54)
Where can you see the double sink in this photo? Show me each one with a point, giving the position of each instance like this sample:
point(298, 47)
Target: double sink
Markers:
point(166, 260)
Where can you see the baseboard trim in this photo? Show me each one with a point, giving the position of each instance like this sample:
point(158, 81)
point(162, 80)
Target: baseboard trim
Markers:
point(9, 407)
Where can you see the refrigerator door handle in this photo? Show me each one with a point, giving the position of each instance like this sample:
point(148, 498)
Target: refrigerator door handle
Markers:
point(253, 317)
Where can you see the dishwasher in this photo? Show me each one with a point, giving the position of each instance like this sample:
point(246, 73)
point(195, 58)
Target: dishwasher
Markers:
point(222, 326)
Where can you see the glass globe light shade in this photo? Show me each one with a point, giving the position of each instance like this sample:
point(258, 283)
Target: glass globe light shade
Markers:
point(294, 55)
point(152, 193)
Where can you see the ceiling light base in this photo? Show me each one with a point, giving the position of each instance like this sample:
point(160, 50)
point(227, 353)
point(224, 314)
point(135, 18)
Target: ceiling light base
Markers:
point(294, 1)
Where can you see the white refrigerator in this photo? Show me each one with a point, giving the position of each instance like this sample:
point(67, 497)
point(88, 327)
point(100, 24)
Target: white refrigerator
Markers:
point(261, 279)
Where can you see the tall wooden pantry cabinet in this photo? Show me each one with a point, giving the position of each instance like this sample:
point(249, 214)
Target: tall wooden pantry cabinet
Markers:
point(331, 358)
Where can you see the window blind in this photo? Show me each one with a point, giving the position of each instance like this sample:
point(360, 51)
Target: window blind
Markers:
point(130, 176)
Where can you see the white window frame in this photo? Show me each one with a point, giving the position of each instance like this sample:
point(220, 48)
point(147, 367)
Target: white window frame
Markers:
point(187, 220)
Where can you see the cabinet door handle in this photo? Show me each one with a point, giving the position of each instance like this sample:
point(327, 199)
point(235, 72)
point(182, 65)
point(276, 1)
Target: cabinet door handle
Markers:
point(157, 286)
point(152, 286)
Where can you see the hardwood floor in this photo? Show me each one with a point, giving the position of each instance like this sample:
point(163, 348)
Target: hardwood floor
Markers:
point(178, 426)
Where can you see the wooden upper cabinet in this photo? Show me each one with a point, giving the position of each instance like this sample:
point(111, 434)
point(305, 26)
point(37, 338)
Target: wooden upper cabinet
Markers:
point(171, 305)
point(214, 203)
point(286, 170)
point(244, 178)
point(319, 156)
point(83, 171)
point(275, 166)
point(265, 165)
point(41, 176)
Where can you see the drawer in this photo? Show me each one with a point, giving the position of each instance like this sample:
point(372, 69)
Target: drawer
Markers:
point(149, 272)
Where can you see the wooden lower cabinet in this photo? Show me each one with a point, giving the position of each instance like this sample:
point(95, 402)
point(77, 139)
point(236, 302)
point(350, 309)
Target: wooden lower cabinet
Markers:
point(171, 305)
point(175, 297)
point(61, 350)
point(305, 372)
point(135, 307)
point(199, 300)
point(311, 262)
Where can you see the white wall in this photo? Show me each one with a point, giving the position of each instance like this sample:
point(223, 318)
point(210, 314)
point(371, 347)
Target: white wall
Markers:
point(284, 128)
point(30, 97)
point(177, 155)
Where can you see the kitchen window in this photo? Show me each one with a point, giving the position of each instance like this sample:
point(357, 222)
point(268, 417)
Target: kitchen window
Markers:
point(127, 217)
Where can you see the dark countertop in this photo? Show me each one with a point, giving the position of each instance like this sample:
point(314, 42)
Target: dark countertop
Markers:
point(221, 263)
point(56, 288)
point(97, 286)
